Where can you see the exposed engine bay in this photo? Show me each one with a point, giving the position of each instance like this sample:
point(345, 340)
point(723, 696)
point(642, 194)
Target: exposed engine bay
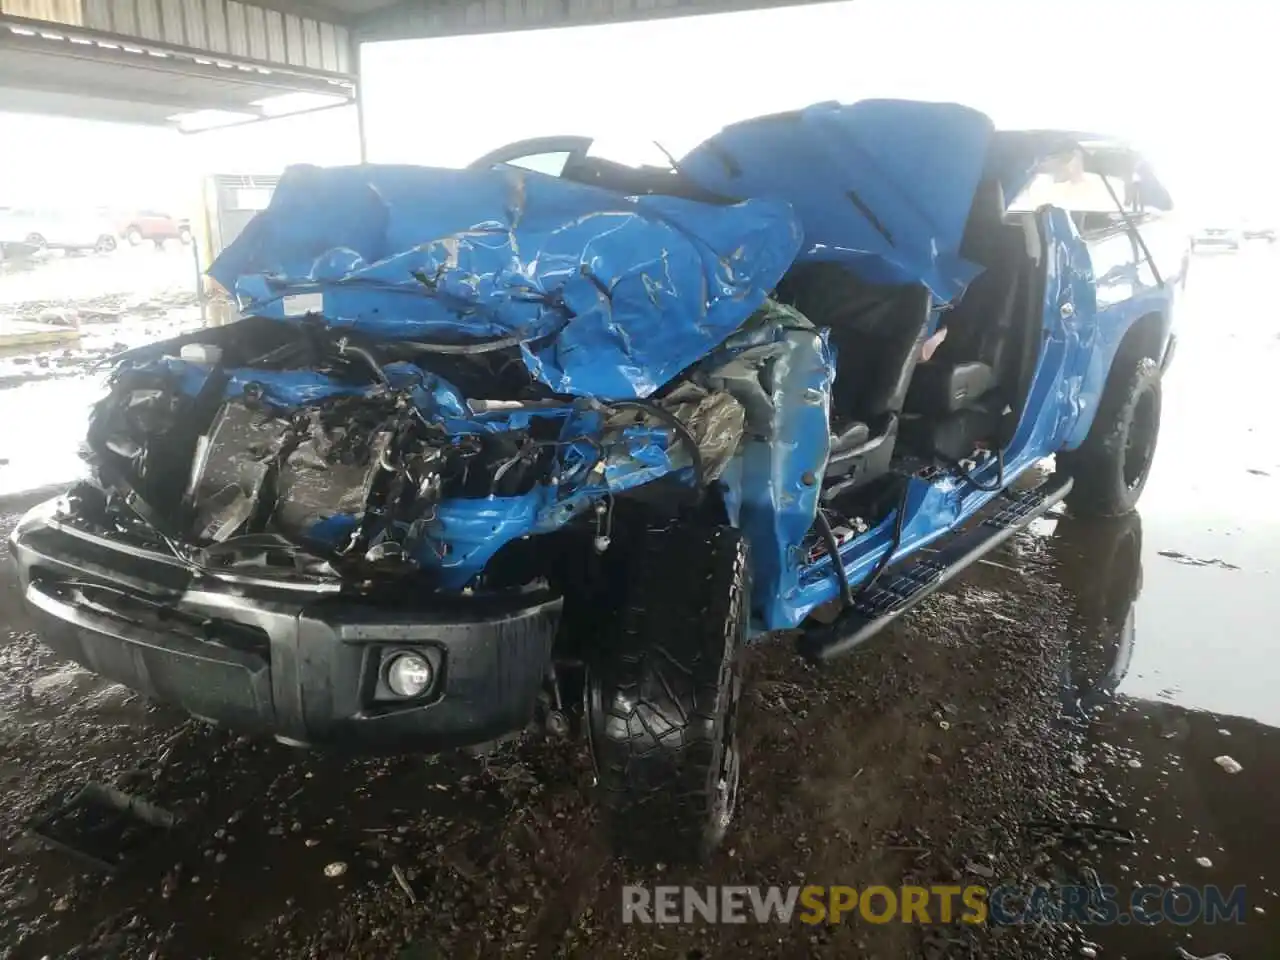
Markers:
point(357, 465)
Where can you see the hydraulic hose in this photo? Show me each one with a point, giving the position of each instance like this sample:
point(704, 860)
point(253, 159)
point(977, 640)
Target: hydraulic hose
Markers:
point(899, 521)
point(986, 487)
point(837, 561)
point(346, 348)
point(464, 349)
point(676, 424)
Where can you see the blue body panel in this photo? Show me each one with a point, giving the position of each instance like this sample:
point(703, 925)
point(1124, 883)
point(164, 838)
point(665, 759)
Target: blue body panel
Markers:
point(610, 297)
point(1114, 289)
point(772, 486)
point(882, 185)
point(1080, 345)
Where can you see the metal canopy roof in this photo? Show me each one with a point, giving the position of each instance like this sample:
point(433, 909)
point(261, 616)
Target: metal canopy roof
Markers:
point(171, 61)
point(442, 18)
point(180, 61)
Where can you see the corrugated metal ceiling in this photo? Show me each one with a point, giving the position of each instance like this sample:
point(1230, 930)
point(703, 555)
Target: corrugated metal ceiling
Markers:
point(425, 18)
point(241, 30)
point(51, 77)
point(153, 59)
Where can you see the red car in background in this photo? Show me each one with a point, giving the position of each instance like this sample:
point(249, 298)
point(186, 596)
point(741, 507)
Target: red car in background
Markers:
point(157, 227)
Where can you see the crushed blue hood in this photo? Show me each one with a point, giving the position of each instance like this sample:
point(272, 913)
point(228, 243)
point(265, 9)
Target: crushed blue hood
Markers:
point(883, 185)
point(608, 296)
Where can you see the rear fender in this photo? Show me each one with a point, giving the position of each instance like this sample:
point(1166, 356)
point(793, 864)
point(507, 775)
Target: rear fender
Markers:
point(1131, 316)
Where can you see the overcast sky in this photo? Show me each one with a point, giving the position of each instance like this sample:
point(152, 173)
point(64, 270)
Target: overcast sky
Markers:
point(1186, 79)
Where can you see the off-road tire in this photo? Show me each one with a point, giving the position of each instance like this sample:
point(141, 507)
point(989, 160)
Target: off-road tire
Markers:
point(662, 700)
point(1111, 467)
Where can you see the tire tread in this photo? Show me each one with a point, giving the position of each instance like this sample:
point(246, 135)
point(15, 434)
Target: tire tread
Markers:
point(658, 737)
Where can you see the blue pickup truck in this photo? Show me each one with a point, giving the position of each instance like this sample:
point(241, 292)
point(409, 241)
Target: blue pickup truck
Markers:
point(548, 440)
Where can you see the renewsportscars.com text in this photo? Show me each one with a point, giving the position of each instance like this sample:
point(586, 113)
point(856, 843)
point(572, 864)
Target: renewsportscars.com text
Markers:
point(1005, 905)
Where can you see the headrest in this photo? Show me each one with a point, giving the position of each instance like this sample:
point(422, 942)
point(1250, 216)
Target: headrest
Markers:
point(986, 217)
point(988, 202)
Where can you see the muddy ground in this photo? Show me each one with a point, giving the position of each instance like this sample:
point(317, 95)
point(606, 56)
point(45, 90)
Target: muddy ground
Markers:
point(1086, 672)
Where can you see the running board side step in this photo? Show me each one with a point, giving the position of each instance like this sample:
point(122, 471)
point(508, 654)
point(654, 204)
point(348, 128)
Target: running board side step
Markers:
point(901, 588)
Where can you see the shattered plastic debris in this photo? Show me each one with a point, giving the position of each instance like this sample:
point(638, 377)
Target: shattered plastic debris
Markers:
point(335, 869)
point(1204, 862)
point(1228, 764)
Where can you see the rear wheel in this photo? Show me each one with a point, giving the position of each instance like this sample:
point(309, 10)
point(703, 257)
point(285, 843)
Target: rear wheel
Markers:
point(105, 244)
point(662, 699)
point(1112, 465)
point(184, 235)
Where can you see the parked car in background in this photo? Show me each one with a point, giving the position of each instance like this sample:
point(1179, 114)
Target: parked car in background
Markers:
point(13, 240)
point(157, 227)
point(1222, 238)
point(70, 230)
point(1253, 230)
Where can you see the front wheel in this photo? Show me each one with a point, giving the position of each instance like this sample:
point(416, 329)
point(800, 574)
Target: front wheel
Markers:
point(663, 694)
point(1112, 465)
point(105, 244)
point(134, 236)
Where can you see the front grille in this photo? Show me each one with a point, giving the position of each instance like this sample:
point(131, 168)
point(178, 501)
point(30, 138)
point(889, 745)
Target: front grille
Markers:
point(155, 615)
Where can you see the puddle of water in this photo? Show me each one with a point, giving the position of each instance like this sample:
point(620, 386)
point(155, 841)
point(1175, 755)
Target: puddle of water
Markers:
point(1174, 659)
point(1211, 522)
point(1148, 756)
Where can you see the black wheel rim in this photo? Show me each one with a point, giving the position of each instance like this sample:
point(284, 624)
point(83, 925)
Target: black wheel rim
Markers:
point(1140, 444)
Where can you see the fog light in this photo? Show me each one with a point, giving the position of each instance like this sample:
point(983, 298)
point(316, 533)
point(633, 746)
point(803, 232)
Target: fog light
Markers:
point(408, 674)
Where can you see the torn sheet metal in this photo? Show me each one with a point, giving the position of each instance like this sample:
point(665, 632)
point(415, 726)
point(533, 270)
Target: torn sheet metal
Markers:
point(884, 186)
point(402, 469)
point(608, 296)
point(772, 483)
point(395, 474)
